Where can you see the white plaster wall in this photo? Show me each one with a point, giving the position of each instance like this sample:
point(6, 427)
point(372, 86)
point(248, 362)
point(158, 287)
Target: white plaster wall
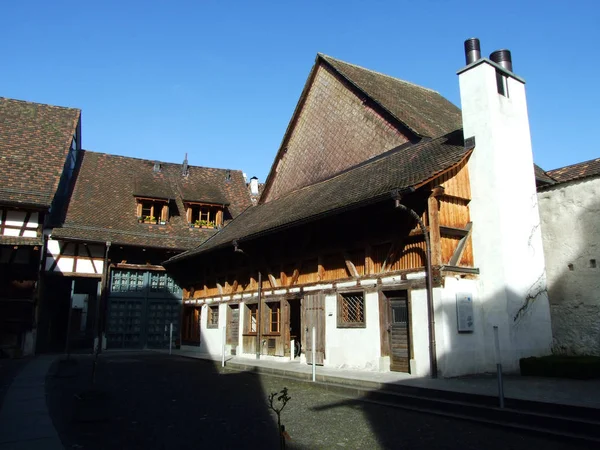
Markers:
point(356, 348)
point(420, 332)
point(460, 353)
point(570, 216)
point(66, 263)
point(507, 243)
point(211, 339)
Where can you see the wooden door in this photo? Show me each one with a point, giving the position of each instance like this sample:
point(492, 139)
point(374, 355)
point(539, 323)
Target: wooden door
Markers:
point(233, 327)
point(399, 332)
point(314, 316)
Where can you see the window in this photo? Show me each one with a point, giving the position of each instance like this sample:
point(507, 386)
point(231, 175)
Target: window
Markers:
point(251, 322)
point(152, 211)
point(273, 317)
point(213, 317)
point(502, 83)
point(351, 310)
point(200, 215)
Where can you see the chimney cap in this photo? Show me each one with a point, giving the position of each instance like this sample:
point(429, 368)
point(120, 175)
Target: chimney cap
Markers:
point(503, 58)
point(472, 50)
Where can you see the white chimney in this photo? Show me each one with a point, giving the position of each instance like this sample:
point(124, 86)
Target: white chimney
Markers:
point(254, 186)
point(506, 235)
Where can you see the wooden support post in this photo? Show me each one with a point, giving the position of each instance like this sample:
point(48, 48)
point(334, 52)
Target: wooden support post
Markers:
point(391, 256)
point(320, 268)
point(272, 280)
point(369, 264)
point(350, 266)
point(460, 248)
point(295, 276)
point(433, 206)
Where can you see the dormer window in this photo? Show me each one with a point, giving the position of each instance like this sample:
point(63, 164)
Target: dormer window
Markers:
point(204, 215)
point(152, 211)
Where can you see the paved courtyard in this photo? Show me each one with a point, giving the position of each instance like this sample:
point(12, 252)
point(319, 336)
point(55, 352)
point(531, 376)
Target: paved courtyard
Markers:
point(154, 401)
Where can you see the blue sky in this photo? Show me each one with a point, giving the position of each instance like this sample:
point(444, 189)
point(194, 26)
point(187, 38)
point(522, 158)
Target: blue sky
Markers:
point(220, 79)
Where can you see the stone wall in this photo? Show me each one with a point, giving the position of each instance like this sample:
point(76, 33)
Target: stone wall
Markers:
point(570, 218)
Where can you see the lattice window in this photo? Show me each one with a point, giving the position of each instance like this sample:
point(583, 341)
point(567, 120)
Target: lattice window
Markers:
point(213, 317)
point(127, 281)
point(351, 309)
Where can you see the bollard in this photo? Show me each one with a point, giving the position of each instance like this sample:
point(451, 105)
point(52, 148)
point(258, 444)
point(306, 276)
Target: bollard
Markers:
point(314, 354)
point(499, 368)
point(171, 338)
point(292, 350)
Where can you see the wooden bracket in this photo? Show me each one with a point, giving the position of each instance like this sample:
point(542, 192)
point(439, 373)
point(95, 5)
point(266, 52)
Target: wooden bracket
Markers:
point(460, 248)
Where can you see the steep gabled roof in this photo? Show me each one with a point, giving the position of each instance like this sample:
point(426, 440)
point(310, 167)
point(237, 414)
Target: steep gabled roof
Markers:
point(404, 167)
point(103, 204)
point(34, 143)
point(423, 111)
point(413, 111)
point(577, 171)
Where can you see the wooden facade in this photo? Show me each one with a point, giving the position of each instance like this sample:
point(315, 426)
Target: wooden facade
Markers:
point(302, 264)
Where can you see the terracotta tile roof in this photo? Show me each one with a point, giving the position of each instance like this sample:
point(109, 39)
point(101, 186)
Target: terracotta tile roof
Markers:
point(584, 169)
point(34, 143)
point(422, 110)
point(103, 205)
point(403, 167)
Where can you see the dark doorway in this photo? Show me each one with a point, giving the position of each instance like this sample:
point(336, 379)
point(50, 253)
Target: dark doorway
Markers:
point(295, 325)
point(190, 333)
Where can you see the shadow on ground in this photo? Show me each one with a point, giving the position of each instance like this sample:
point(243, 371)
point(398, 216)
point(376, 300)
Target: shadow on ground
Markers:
point(152, 401)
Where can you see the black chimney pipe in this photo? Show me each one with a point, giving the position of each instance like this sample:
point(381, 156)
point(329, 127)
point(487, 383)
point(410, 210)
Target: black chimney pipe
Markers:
point(472, 50)
point(503, 58)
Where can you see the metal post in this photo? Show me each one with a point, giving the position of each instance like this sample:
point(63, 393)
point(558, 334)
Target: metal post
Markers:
point(171, 338)
point(314, 354)
point(499, 368)
point(223, 333)
point(292, 349)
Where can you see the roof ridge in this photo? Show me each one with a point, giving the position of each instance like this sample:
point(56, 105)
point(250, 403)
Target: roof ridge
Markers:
point(162, 162)
point(38, 103)
point(324, 56)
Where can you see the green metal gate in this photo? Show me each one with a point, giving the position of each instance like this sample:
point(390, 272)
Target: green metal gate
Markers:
point(141, 307)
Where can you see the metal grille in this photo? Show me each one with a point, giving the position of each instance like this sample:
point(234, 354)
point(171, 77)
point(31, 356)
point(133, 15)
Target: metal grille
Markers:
point(127, 281)
point(353, 308)
point(213, 315)
point(399, 313)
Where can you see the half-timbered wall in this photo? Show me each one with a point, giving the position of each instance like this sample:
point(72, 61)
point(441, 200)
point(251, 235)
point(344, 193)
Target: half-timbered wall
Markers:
point(19, 223)
point(74, 258)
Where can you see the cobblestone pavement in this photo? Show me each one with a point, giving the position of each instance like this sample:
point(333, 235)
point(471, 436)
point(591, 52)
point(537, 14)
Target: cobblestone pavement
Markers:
point(153, 401)
point(8, 370)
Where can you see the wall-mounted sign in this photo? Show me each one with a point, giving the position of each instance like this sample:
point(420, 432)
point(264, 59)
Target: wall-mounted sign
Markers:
point(464, 312)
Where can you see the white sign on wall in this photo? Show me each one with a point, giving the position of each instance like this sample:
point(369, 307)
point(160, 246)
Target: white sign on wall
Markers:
point(464, 312)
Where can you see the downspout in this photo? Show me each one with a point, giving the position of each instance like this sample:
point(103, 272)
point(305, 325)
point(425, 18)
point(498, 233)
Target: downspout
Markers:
point(397, 195)
point(103, 285)
point(258, 316)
